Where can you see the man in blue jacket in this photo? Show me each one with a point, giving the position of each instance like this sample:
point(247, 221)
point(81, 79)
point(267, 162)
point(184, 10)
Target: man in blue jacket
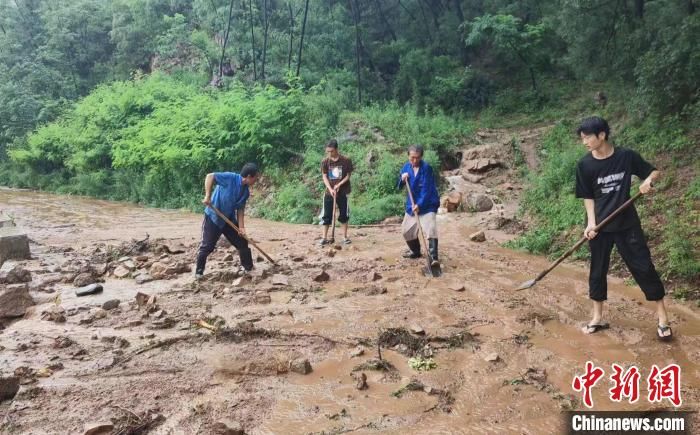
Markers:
point(419, 176)
point(230, 196)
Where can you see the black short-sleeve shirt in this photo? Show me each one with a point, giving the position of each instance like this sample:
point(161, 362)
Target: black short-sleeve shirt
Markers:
point(336, 170)
point(608, 182)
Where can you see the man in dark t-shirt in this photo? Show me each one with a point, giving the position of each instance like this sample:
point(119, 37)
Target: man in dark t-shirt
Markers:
point(336, 170)
point(603, 180)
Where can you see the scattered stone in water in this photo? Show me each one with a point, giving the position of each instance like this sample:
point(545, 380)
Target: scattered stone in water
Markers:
point(478, 236)
point(110, 304)
point(89, 290)
point(301, 366)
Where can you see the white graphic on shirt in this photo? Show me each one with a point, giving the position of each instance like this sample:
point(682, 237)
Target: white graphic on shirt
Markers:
point(611, 182)
point(336, 173)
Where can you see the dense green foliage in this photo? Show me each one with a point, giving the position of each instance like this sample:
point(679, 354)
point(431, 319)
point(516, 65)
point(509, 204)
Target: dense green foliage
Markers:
point(137, 100)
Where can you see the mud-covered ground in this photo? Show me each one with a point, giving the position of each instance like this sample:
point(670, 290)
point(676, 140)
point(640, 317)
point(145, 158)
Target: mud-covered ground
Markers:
point(191, 357)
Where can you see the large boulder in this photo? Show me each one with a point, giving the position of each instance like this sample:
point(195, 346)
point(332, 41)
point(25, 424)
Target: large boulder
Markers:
point(480, 202)
point(14, 274)
point(14, 300)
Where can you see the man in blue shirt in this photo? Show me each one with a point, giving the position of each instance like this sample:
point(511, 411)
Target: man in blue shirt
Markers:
point(230, 196)
point(419, 176)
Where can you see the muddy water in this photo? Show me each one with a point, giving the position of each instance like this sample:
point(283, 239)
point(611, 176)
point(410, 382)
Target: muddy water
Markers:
point(536, 328)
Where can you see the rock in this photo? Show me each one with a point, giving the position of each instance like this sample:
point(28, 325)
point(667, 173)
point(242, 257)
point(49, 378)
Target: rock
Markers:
point(142, 258)
point(262, 298)
point(393, 220)
point(143, 278)
point(507, 186)
point(242, 280)
point(83, 279)
point(472, 178)
point(15, 274)
point(480, 202)
point(301, 366)
point(228, 257)
point(480, 166)
point(102, 428)
point(227, 427)
point(373, 276)
point(9, 386)
point(55, 313)
point(129, 264)
point(6, 221)
point(452, 201)
point(141, 299)
point(361, 383)
point(298, 259)
point(358, 351)
point(62, 342)
point(14, 300)
point(100, 268)
point(89, 290)
point(159, 314)
point(280, 279)
point(417, 330)
point(158, 270)
point(492, 357)
point(110, 304)
point(320, 276)
point(331, 253)
point(478, 236)
point(173, 248)
point(14, 244)
point(123, 259)
point(121, 272)
point(458, 287)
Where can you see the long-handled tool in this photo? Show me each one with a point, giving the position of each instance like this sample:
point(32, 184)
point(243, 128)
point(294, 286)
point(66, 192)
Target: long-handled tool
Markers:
point(332, 240)
point(228, 221)
point(431, 270)
point(532, 282)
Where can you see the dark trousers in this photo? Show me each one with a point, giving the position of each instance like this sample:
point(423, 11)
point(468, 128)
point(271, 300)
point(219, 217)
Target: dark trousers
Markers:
point(634, 251)
point(210, 236)
point(342, 200)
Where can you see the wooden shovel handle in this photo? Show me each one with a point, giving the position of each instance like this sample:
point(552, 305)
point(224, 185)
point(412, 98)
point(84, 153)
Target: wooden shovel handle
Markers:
point(228, 221)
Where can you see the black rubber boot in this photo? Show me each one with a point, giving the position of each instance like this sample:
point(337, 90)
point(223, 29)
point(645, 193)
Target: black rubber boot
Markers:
point(433, 245)
point(413, 249)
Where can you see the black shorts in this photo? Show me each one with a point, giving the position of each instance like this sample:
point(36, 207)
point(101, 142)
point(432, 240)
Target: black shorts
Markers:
point(343, 208)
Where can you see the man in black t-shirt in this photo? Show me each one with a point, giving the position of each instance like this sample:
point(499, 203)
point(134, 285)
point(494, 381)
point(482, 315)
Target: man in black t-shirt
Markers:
point(336, 170)
point(603, 180)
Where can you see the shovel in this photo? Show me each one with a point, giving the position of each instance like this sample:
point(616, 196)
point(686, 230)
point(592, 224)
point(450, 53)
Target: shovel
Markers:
point(430, 270)
point(228, 221)
point(532, 282)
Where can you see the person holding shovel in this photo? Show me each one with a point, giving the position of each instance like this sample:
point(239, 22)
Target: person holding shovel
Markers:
point(603, 181)
point(336, 170)
point(421, 205)
point(230, 196)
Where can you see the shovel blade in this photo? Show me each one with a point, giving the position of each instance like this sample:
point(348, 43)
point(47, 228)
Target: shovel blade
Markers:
point(432, 271)
point(527, 284)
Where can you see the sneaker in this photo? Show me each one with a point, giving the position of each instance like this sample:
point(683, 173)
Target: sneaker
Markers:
point(347, 241)
point(198, 276)
point(324, 242)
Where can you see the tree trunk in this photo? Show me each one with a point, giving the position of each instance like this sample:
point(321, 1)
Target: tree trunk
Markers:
point(226, 34)
point(303, 31)
point(425, 21)
point(639, 8)
point(252, 39)
point(386, 22)
point(691, 7)
point(460, 37)
point(291, 36)
point(267, 26)
point(354, 9)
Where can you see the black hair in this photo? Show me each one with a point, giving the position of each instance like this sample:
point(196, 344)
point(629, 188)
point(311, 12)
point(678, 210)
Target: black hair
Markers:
point(594, 125)
point(332, 144)
point(249, 169)
point(416, 149)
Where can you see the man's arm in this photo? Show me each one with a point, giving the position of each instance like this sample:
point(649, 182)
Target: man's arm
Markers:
point(208, 185)
point(327, 182)
point(590, 213)
point(343, 181)
point(646, 186)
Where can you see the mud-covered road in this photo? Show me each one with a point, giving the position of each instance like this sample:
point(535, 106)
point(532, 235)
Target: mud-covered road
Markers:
point(502, 361)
